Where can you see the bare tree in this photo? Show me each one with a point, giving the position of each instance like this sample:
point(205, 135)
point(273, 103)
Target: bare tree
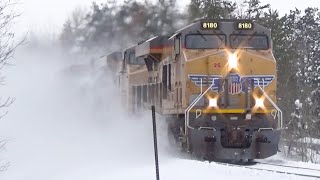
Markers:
point(8, 45)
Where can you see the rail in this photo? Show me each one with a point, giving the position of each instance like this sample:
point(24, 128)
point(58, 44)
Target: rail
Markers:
point(279, 170)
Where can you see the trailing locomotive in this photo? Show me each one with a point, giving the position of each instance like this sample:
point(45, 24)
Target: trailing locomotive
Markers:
point(215, 81)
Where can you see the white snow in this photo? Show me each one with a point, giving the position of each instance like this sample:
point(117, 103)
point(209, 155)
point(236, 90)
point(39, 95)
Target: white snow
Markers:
point(128, 20)
point(298, 104)
point(309, 140)
point(279, 159)
point(65, 127)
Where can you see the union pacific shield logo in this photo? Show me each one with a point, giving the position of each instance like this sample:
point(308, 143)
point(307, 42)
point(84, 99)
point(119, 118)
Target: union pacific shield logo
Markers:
point(236, 83)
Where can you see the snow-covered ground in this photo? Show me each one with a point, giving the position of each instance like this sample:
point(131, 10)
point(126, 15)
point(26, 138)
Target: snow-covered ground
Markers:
point(64, 127)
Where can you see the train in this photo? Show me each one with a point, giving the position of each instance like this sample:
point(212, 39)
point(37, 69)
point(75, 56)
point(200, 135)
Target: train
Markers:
point(214, 81)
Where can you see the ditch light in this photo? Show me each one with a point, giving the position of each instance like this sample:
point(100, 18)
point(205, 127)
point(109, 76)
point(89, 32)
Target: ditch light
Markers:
point(213, 102)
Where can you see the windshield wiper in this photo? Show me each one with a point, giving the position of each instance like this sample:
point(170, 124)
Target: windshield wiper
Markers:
point(201, 35)
point(235, 37)
point(215, 33)
point(247, 40)
point(251, 36)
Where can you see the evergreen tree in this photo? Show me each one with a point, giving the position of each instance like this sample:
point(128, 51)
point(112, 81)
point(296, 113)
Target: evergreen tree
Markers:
point(302, 47)
point(211, 9)
point(309, 66)
point(285, 52)
point(254, 9)
point(111, 26)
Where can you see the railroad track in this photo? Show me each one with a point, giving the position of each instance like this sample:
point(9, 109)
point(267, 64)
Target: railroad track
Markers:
point(271, 167)
point(282, 165)
point(312, 173)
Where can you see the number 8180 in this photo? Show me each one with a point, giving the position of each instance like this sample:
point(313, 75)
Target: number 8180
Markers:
point(210, 25)
point(244, 25)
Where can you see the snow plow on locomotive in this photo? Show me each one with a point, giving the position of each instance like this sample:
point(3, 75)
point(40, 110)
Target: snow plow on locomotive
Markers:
point(215, 81)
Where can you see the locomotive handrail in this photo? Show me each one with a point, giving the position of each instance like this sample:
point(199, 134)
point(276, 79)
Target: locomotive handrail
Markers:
point(187, 111)
point(261, 129)
point(212, 128)
point(279, 112)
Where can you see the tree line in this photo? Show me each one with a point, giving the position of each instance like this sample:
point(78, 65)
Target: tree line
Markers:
point(296, 46)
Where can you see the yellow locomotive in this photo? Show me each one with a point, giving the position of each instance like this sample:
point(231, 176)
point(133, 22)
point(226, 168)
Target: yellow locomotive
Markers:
point(215, 81)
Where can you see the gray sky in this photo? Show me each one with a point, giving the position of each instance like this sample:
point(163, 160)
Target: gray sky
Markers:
point(48, 15)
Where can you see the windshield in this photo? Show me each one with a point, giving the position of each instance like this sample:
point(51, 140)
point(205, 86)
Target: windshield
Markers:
point(205, 41)
point(249, 41)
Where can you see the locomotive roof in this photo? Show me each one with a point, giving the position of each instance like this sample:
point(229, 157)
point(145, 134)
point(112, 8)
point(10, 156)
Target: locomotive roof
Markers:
point(113, 53)
point(153, 42)
point(225, 26)
point(131, 48)
point(152, 45)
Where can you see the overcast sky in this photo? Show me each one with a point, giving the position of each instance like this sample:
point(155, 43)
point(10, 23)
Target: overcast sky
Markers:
point(48, 15)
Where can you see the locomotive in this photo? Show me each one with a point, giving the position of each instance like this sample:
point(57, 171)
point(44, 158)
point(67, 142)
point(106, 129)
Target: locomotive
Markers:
point(214, 81)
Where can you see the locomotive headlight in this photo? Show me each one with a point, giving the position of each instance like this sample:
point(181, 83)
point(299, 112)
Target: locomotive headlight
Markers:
point(259, 103)
point(233, 61)
point(213, 102)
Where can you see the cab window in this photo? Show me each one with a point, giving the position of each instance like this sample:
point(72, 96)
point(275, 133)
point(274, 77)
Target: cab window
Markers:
point(249, 41)
point(205, 41)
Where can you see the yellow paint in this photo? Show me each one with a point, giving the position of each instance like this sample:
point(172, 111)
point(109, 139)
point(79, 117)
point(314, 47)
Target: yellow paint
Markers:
point(215, 62)
point(229, 111)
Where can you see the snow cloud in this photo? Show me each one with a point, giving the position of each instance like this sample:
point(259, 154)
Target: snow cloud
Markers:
point(67, 122)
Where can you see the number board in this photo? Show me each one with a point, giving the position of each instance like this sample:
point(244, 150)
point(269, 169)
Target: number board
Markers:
point(210, 25)
point(244, 25)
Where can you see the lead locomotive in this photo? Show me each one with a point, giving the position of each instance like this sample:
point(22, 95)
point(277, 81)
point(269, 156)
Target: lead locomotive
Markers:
point(215, 81)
